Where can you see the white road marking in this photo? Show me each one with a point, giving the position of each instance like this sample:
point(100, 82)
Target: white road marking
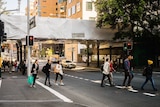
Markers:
point(149, 94)
point(0, 83)
point(65, 99)
point(120, 87)
point(26, 101)
point(96, 81)
point(132, 90)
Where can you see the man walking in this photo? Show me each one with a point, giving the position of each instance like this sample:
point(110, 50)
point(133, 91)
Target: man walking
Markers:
point(47, 72)
point(106, 72)
point(127, 72)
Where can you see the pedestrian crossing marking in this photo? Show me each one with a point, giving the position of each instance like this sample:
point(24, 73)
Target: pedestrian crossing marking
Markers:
point(149, 94)
point(120, 87)
point(65, 99)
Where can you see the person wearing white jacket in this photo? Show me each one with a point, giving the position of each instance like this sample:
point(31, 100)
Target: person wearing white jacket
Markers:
point(106, 70)
point(60, 72)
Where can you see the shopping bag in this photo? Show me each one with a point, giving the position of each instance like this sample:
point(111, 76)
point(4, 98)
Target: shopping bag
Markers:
point(30, 80)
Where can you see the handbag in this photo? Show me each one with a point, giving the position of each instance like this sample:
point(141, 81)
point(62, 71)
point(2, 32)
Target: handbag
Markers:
point(30, 80)
point(55, 70)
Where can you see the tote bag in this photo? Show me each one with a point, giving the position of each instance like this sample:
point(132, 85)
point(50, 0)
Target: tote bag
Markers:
point(30, 80)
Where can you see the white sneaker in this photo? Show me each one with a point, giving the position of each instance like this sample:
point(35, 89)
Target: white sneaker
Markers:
point(56, 83)
point(34, 86)
point(129, 87)
point(124, 87)
point(62, 84)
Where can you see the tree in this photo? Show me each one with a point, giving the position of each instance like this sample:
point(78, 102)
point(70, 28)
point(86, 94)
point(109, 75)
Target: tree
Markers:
point(2, 8)
point(132, 18)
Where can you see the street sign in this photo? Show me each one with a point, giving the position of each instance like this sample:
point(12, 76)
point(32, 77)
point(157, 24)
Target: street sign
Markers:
point(78, 35)
point(32, 22)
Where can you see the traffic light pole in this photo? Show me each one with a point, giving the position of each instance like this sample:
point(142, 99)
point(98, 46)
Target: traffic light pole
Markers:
point(28, 33)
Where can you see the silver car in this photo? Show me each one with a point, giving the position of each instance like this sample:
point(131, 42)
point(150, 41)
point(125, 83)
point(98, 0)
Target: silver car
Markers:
point(68, 64)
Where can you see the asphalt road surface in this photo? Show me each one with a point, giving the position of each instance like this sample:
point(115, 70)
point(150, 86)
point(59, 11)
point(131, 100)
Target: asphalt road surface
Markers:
point(81, 89)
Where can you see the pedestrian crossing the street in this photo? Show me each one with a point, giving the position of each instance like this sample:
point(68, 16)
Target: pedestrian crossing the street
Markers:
point(116, 86)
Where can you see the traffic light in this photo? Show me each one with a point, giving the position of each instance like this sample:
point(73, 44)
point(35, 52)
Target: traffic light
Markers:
point(1, 28)
point(125, 46)
point(30, 40)
point(4, 37)
point(129, 46)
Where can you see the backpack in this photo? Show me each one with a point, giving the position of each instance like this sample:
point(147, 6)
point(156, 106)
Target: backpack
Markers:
point(144, 71)
point(44, 69)
point(102, 67)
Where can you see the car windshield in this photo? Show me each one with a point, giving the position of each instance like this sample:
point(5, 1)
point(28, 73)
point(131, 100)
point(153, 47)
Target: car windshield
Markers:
point(68, 61)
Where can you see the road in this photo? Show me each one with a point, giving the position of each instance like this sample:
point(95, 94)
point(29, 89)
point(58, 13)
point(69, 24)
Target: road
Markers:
point(82, 89)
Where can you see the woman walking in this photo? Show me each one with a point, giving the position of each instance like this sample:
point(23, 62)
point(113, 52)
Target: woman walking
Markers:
point(34, 71)
point(59, 72)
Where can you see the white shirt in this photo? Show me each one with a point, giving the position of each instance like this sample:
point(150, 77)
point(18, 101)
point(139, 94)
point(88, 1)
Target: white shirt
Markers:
point(106, 68)
point(59, 68)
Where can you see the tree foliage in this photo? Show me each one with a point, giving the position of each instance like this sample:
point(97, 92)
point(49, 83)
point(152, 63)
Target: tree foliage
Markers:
point(2, 8)
point(131, 17)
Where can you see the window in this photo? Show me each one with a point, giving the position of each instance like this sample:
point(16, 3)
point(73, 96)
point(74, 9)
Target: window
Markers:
point(69, 1)
point(92, 18)
point(69, 12)
point(73, 9)
point(88, 6)
point(78, 7)
point(56, 9)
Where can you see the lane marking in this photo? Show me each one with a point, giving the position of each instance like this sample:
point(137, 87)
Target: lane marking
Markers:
point(0, 83)
point(120, 87)
point(65, 99)
point(149, 94)
point(26, 101)
point(132, 90)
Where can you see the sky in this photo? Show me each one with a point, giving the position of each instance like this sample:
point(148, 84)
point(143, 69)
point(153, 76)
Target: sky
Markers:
point(13, 4)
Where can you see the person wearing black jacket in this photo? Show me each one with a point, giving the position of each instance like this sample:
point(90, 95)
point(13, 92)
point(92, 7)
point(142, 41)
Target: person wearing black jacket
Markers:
point(148, 75)
point(47, 72)
point(34, 71)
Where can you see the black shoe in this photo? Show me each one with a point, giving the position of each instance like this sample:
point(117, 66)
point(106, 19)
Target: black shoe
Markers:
point(102, 85)
point(155, 89)
point(142, 88)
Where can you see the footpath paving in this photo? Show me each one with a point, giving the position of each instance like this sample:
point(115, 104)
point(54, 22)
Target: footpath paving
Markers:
point(15, 92)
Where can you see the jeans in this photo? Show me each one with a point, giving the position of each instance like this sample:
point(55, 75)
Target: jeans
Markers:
point(127, 74)
point(152, 82)
point(34, 78)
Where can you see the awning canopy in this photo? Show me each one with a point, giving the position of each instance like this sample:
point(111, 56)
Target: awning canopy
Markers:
point(55, 28)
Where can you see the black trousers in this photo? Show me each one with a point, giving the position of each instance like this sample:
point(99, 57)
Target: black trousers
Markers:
point(59, 75)
point(104, 76)
point(47, 78)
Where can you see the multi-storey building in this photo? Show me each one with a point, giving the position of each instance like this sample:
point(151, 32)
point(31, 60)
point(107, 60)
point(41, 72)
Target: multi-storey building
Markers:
point(48, 8)
point(81, 9)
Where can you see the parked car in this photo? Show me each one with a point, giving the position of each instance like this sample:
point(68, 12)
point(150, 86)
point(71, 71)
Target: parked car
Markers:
point(68, 64)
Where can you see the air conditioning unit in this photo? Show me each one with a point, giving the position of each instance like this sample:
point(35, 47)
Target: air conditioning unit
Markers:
point(62, 9)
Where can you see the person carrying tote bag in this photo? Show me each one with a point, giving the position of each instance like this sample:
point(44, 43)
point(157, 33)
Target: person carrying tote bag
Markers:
point(59, 72)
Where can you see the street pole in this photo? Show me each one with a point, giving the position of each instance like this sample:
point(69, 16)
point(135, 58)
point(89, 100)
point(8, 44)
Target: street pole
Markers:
point(28, 33)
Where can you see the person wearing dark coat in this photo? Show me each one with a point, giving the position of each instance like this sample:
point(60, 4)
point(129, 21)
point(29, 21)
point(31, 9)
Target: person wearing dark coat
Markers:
point(149, 71)
point(47, 72)
point(34, 71)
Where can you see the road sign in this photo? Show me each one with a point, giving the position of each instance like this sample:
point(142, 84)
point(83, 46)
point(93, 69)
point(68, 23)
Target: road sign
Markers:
point(32, 22)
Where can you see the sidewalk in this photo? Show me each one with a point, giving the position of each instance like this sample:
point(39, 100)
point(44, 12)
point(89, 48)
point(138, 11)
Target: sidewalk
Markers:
point(15, 92)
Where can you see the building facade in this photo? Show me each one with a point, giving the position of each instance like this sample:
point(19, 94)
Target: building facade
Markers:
point(48, 8)
point(81, 9)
